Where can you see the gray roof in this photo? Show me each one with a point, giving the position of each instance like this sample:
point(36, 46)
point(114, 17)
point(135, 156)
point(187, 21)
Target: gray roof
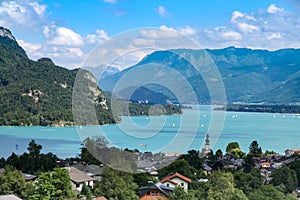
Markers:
point(158, 186)
point(89, 168)
point(78, 176)
point(29, 177)
point(9, 197)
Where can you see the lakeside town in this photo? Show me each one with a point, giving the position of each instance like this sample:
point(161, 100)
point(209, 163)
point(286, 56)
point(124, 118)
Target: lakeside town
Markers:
point(198, 174)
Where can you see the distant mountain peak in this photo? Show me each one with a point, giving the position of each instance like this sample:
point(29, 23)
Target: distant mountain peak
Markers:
point(4, 32)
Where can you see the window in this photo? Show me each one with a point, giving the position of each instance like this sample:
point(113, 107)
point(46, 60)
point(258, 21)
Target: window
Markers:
point(182, 184)
point(168, 185)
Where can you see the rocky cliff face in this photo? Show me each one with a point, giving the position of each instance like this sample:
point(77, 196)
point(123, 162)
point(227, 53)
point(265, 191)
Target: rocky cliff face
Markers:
point(4, 32)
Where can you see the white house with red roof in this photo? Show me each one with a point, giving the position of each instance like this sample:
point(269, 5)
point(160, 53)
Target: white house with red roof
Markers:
point(176, 180)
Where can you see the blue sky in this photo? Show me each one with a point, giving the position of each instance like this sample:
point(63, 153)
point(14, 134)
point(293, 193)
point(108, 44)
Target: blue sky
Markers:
point(66, 31)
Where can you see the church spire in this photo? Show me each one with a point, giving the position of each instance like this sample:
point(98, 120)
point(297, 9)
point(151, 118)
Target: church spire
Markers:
point(206, 150)
point(207, 141)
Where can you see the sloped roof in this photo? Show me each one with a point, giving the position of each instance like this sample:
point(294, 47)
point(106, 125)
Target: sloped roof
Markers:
point(158, 186)
point(9, 197)
point(171, 181)
point(89, 168)
point(78, 176)
point(176, 175)
point(29, 177)
point(101, 198)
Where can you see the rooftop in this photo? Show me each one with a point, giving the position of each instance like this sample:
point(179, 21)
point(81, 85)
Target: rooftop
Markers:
point(9, 197)
point(78, 176)
point(176, 175)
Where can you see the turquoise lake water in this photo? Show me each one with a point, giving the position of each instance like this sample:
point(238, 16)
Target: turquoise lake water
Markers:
point(180, 133)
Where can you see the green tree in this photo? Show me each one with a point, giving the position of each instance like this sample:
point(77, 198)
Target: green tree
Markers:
point(180, 194)
point(200, 189)
point(254, 149)
point(87, 157)
point(116, 185)
point(86, 192)
point(12, 181)
point(266, 192)
point(2, 162)
point(179, 166)
point(286, 177)
point(222, 187)
point(141, 179)
point(34, 149)
point(249, 163)
point(295, 165)
point(193, 159)
point(219, 153)
point(231, 146)
point(246, 182)
point(13, 160)
point(53, 185)
point(34, 162)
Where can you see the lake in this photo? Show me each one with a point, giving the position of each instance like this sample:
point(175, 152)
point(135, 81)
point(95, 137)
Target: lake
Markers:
point(177, 133)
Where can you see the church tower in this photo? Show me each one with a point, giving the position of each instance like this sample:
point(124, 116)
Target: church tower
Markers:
point(206, 150)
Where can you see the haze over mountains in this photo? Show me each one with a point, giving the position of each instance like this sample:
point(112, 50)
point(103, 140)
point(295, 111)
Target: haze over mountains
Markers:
point(248, 75)
point(40, 93)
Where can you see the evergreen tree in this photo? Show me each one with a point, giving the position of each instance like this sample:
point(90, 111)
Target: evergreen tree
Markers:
point(219, 153)
point(254, 149)
point(249, 163)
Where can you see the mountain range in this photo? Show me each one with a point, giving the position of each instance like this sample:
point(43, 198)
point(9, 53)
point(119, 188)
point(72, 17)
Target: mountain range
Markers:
point(248, 75)
point(39, 92)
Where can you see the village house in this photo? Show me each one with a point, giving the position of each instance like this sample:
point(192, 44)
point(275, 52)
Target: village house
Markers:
point(156, 191)
point(94, 171)
point(78, 178)
point(176, 180)
point(265, 165)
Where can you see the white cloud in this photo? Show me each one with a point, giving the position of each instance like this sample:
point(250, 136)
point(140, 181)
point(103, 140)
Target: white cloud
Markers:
point(223, 34)
point(162, 11)
point(111, 1)
point(77, 51)
point(235, 15)
point(20, 14)
point(188, 31)
point(62, 36)
point(274, 9)
point(96, 38)
point(29, 47)
point(39, 9)
point(232, 35)
point(271, 36)
point(247, 28)
point(270, 28)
